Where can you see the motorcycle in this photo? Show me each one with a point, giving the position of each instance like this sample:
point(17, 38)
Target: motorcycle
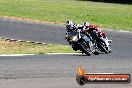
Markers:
point(103, 43)
point(81, 41)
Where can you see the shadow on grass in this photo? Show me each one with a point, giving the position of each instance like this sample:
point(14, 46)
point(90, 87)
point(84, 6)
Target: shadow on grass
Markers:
point(111, 1)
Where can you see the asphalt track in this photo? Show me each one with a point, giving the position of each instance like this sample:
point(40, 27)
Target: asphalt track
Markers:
point(58, 71)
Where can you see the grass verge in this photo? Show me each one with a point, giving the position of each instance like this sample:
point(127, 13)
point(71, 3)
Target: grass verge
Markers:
point(115, 16)
point(11, 47)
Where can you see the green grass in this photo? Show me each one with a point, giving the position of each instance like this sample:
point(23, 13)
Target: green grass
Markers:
point(7, 47)
point(115, 16)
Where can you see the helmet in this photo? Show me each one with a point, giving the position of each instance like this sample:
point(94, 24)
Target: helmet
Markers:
point(78, 26)
point(69, 25)
point(86, 24)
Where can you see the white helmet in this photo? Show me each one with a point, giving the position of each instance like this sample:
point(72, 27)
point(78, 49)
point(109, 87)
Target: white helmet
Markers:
point(69, 25)
point(78, 26)
point(86, 24)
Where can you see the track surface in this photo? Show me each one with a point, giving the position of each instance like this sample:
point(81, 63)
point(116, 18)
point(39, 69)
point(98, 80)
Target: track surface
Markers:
point(58, 71)
point(29, 31)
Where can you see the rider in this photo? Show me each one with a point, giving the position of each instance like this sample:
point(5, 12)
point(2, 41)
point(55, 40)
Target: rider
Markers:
point(96, 33)
point(70, 28)
point(93, 30)
point(69, 25)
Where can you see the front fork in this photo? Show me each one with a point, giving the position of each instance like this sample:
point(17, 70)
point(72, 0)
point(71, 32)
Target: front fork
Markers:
point(88, 40)
point(106, 41)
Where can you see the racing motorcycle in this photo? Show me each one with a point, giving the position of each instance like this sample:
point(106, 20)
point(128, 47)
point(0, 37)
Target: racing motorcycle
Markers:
point(80, 41)
point(103, 43)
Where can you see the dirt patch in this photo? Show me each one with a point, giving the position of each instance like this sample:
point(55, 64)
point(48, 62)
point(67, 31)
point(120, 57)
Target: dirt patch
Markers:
point(30, 20)
point(4, 44)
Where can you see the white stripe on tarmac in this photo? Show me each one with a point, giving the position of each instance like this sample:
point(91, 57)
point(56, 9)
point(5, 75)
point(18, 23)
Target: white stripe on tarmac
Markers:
point(16, 54)
point(63, 53)
point(124, 31)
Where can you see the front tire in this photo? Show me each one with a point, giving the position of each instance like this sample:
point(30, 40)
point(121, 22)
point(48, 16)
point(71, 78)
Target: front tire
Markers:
point(85, 47)
point(103, 48)
point(109, 50)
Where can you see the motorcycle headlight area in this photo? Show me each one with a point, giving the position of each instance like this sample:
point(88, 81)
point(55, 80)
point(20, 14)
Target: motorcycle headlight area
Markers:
point(74, 38)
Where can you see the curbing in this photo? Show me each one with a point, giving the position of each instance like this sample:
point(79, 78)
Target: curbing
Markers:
point(38, 43)
point(7, 39)
point(28, 41)
point(13, 40)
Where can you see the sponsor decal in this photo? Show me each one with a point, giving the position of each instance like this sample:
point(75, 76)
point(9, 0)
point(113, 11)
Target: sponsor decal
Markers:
point(86, 78)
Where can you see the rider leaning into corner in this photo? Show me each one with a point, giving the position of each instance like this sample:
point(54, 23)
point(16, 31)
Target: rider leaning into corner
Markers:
point(71, 28)
point(95, 32)
point(86, 27)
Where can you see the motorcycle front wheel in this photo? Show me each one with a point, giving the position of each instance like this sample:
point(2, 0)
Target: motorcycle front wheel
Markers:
point(103, 48)
point(84, 47)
